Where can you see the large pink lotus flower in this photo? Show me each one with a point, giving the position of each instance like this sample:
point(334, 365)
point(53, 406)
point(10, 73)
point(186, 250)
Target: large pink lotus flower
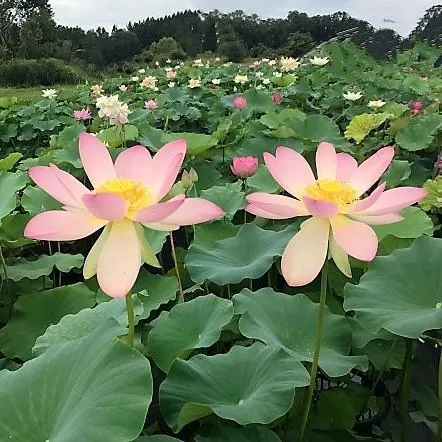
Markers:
point(127, 195)
point(340, 214)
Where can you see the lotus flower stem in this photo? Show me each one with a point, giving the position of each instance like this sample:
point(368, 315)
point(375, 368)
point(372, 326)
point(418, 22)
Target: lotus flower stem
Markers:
point(405, 388)
point(439, 425)
point(319, 330)
point(177, 270)
point(130, 320)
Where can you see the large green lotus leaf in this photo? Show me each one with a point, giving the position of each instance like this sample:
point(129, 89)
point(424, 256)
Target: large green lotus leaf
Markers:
point(7, 131)
point(9, 161)
point(273, 120)
point(290, 322)
point(402, 292)
point(10, 184)
point(43, 266)
point(196, 143)
point(252, 433)
point(384, 354)
point(207, 234)
point(157, 438)
point(76, 326)
point(415, 223)
point(361, 125)
point(419, 133)
point(398, 171)
point(247, 385)
point(249, 254)
point(229, 197)
point(262, 181)
point(93, 389)
point(12, 228)
point(35, 200)
point(35, 312)
point(194, 324)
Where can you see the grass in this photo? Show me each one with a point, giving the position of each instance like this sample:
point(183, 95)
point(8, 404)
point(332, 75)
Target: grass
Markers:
point(30, 94)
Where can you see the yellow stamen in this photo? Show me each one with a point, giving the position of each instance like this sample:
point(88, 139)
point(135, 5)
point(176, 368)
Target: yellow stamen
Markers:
point(134, 193)
point(332, 191)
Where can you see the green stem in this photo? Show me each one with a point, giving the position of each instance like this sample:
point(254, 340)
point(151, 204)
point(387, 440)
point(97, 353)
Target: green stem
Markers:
point(439, 425)
point(130, 320)
point(245, 192)
point(229, 294)
point(405, 388)
point(166, 123)
point(319, 330)
point(177, 270)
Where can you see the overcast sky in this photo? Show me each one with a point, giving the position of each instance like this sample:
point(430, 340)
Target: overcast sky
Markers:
point(94, 13)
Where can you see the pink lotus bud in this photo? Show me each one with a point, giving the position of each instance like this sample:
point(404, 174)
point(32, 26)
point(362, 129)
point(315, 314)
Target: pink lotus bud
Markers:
point(151, 105)
point(188, 178)
point(82, 115)
point(415, 107)
point(439, 162)
point(239, 102)
point(170, 75)
point(277, 97)
point(244, 167)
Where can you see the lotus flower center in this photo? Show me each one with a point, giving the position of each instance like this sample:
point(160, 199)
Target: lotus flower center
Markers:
point(332, 191)
point(134, 193)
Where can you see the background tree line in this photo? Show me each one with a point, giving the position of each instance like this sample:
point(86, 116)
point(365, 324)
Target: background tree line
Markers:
point(28, 31)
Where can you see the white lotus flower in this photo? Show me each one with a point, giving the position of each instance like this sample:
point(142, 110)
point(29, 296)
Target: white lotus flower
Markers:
point(241, 79)
point(96, 90)
point(318, 61)
point(150, 82)
point(289, 64)
point(216, 81)
point(353, 96)
point(112, 109)
point(141, 71)
point(135, 78)
point(172, 84)
point(123, 88)
point(277, 74)
point(194, 83)
point(49, 93)
point(266, 81)
point(376, 104)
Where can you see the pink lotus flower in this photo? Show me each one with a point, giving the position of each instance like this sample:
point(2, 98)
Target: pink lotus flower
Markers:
point(340, 214)
point(151, 104)
point(127, 195)
point(415, 107)
point(277, 97)
point(82, 115)
point(170, 75)
point(239, 102)
point(244, 167)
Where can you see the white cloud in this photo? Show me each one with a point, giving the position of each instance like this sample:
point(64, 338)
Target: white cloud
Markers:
point(91, 14)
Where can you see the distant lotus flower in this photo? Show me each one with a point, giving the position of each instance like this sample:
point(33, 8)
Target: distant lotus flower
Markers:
point(265, 60)
point(149, 82)
point(415, 107)
point(123, 88)
point(141, 71)
point(239, 102)
point(170, 74)
point(194, 83)
point(340, 214)
point(198, 62)
point(376, 104)
point(218, 59)
point(168, 61)
point(318, 61)
point(172, 84)
point(271, 62)
point(289, 64)
point(135, 78)
point(244, 167)
point(49, 93)
point(82, 115)
point(113, 110)
point(241, 79)
point(255, 64)
point(353, 96)
point(126, 196)
point(96, 90)
point(277, 74)
point(266, 81)
point(151, 105)
point(216, 81)
point(277, 97)
point(157, 63)
point(259, 74)
point(439, 162)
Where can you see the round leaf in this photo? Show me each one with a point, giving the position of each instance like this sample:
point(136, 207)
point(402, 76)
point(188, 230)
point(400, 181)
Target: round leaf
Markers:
point(247, 385)
point(290, 322)
point(194, 324)
point(402, 292)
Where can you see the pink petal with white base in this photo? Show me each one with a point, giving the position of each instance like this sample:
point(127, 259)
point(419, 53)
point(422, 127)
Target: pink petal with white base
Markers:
point(369, 201)
point(157, 212)
point(194, 211)
point(357, 239)
point(326, 162)
point(120, 259)
point(369, 172)
point(164, 168)
point(254, 210)
point(375, 220)
point(96, 160)
point(48, 178)
point(290, 170)
point(394, 200)
point(346, 166)
point(319, 208)
point(305, 254)
point(134, 164)
point(61, 225)
point(107, 206)
point(281, 206)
